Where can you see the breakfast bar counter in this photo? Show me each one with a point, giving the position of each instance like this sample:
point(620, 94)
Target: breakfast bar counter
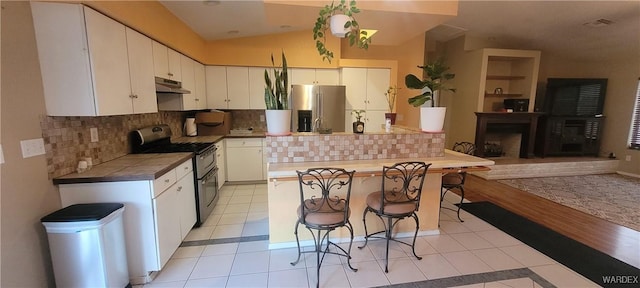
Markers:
point(283, 187)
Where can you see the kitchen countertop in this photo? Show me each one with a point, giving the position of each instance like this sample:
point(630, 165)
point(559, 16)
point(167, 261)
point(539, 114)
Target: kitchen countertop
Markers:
point(451, 160)
point(198, 139)
point(131, 167)
point(216, 138)
point(256, 134)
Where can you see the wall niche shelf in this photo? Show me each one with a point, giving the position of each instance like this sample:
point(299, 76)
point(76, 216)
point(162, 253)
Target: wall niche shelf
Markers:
point(504, 77)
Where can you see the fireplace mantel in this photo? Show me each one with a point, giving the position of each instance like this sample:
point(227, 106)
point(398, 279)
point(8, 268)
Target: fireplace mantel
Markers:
point(524, 123)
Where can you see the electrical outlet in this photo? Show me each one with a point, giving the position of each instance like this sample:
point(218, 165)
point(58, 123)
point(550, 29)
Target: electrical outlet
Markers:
point(94, 134)
point(32, 147)
point(261, 118)
point(627, 158)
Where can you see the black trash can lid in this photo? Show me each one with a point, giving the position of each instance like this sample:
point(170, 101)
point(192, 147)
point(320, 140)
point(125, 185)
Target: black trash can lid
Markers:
point(82, 212)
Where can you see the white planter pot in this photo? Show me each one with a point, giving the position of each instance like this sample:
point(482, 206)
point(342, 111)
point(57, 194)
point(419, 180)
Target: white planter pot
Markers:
point(278, 122)
point(432, 118)
point(336, 22)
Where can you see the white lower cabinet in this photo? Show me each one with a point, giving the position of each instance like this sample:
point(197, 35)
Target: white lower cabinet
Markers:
point(158, 214)
point(166, 224)
point(221, 161)
point(187, 199)
point(245, 161)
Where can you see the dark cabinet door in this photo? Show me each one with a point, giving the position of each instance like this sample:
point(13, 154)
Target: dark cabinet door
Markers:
point(566, 136)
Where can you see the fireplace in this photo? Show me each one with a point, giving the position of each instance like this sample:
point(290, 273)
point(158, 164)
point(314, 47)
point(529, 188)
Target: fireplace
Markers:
point(506, 128)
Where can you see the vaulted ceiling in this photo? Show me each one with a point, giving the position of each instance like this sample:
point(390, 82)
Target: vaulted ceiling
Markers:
point(560, 27)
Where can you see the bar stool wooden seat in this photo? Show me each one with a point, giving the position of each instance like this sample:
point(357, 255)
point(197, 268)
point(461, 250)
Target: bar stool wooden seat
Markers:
point(398, 199)
point(324, 207)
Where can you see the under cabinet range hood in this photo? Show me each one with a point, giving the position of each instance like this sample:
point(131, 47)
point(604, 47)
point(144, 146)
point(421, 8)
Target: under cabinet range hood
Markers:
point(170, 86)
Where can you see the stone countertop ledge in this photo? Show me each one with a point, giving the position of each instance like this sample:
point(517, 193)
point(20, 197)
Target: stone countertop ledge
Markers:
point(451, 160)
point(131, 167)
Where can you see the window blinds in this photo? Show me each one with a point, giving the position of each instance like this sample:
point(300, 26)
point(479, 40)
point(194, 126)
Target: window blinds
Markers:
point(635, 123)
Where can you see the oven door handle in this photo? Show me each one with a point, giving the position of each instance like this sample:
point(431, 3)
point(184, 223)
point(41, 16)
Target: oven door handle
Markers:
point(209, 175)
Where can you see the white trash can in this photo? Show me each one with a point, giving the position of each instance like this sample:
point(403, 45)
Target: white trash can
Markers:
point(87, 245)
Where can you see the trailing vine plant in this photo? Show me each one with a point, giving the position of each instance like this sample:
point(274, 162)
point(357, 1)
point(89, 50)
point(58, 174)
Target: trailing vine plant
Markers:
point(355, 35)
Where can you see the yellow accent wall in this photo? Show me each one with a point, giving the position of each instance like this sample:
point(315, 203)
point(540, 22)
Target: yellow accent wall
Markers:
point(409, 55)
point(299, 48)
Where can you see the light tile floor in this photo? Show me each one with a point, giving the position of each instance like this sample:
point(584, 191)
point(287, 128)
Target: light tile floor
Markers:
point(461, 249)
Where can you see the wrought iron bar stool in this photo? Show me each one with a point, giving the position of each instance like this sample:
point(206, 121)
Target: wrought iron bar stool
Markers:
point(455, 180)
point(398, 199)
point(322, 210)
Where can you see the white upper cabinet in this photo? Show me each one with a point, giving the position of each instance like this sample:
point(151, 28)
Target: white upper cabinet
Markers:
point(216, 83)
point(355, 80)
point(377, 84)
point(166, 62)
point(143, 86)
point(200, 87)
point(366, 87)
point(193, 79)
point(256, 88)
point(188, 82)
point(84, 62)
point(237, 88)
point(310, 76)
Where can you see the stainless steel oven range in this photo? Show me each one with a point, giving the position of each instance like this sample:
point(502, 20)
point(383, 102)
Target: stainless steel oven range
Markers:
point(157, 139)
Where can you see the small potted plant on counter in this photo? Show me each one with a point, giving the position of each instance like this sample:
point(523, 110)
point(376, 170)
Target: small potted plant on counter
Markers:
point(434, 82)
point(358, 125)
point(276, 99)
point(391, 94)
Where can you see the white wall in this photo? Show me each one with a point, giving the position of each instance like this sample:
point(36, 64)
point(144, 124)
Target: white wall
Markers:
point(27, 194)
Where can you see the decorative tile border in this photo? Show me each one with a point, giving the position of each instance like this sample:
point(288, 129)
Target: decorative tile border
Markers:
point(304, 147)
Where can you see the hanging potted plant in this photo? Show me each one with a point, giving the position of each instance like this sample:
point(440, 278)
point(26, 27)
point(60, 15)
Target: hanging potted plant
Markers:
point(340, 18)
point(434, 82)
point(358, 125)
point(276, 99)
point(391, 94)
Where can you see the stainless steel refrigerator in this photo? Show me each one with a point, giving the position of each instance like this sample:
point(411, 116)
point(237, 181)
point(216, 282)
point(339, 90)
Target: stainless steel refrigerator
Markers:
point(317, 106)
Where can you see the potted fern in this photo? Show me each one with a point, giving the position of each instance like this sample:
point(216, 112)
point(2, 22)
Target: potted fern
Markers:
point(340, 18)
point(434, 82)
point(276, 98)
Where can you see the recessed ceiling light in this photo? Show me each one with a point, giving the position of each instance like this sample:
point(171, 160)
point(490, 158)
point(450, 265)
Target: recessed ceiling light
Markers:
point(232, 32)
point(211, 2)
point(598, 23)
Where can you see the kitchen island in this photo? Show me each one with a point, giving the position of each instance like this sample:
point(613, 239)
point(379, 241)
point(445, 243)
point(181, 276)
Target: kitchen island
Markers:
point(367, 157)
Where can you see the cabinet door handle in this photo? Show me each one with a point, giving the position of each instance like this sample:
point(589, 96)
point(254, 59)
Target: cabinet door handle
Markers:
point(179, 188)
point(186, 168)
point(170, 74)
point(166, 180)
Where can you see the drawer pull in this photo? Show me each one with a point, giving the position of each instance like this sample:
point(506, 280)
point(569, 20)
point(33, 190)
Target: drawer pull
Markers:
point(166, 180)
point(186, 168)
point(179, 188)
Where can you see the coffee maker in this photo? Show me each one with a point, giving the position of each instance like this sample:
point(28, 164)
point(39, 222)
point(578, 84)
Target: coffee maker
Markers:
point(304, 121)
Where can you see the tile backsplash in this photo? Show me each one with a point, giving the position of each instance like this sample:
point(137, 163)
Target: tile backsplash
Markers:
point(68, 139)
point(245, 119)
